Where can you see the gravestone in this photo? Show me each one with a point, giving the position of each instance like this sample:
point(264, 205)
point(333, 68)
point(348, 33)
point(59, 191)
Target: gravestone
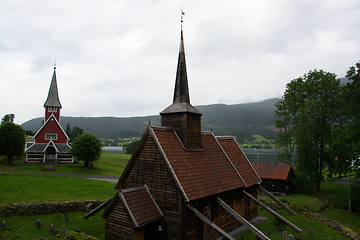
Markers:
point(289, 237)
point(309, 233)
point(58, 214)
point(66, 218)
point(62, 232)
point(3, 226)
point(38, 224)
point(284, 235)
point(89, 207)
point(51, 229)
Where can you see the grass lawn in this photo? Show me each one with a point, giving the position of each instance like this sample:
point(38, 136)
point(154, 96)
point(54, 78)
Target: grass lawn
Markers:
point(94, 226)
point(111, 164)
point(320, 231)
point(331, 202)
point(48, 188)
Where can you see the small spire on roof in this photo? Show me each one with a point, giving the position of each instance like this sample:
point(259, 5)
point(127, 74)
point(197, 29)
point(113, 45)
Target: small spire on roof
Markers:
point(55, 63)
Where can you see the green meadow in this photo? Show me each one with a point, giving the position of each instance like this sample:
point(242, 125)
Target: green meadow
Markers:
point(331, 202)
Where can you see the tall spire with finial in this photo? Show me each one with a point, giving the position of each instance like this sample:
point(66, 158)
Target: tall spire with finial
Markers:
point(181, 115)
point(52, 103)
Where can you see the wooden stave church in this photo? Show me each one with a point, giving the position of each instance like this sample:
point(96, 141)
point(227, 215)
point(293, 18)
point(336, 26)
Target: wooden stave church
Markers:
point(185, 172)
point(51, 143)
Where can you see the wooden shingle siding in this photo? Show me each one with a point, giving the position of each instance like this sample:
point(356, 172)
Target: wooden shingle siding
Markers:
point(193, 131)
point(118, 224)
point(150, 169)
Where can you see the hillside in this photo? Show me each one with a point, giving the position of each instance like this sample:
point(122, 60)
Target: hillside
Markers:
point(241, 120)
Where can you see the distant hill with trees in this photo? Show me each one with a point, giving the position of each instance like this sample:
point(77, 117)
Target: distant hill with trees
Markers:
point(241, 120)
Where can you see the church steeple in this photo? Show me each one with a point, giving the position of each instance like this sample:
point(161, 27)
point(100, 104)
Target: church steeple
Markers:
point(181, 115)
point(52, 104)
point(181, 93)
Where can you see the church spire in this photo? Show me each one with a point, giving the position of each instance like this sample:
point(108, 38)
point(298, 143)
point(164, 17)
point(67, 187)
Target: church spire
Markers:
point(181, 115)
point(181, 92)
point(52, 105)
point(53, 95)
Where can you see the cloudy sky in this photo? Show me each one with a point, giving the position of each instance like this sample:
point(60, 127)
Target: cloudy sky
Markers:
point(118, 58)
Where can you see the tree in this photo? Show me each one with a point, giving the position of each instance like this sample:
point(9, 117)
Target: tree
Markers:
point(286, 137)
point(131, 147)
point(309, 108)
point(12, 140)
point(346, 134)
point(8, 118)
point(76, 131)
point(86, 147)
point(68, 131)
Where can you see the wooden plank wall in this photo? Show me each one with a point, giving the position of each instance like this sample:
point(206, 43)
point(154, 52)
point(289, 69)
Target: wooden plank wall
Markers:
point(240, 203)
point(118, 223)
point(150, 169)
point(193, 131)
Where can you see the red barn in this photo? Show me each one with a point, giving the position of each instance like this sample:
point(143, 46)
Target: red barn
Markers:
point(50, 142)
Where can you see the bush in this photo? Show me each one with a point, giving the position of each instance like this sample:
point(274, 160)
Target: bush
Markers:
point(302, 182)
point(355, 196)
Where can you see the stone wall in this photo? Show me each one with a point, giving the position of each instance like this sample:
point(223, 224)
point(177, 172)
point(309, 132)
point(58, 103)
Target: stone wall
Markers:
point(24, 209)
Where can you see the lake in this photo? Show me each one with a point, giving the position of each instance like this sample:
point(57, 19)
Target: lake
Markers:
point(261, 155)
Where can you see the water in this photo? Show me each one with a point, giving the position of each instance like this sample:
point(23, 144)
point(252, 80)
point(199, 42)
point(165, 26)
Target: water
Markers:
point(261, 155)
point(113, 149)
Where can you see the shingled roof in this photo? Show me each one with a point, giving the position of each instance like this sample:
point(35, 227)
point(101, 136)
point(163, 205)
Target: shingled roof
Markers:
point(53, 95)
point(272, 171)
point(201, 173)
point(139, 204)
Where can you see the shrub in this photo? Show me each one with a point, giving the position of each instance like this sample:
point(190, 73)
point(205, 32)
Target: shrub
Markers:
point(355, 196)
point(302, 182)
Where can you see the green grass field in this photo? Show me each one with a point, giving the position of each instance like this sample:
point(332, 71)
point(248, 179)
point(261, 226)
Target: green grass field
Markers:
point(320, 231)
point(110, 164)
point(39, 188)
point(331, 202)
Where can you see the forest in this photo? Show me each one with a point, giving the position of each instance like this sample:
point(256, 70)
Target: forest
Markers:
point(240, 120)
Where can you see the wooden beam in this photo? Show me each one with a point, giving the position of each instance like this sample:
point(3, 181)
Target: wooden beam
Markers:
point(298, 230)
point(243, 220)
point(277, 201)
point(98, 208)
point(210, 223)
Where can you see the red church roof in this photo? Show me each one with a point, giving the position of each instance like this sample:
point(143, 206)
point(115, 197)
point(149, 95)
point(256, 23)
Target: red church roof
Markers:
point(205, 172)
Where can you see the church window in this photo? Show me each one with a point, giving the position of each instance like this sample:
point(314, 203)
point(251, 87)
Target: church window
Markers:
point(51, 136)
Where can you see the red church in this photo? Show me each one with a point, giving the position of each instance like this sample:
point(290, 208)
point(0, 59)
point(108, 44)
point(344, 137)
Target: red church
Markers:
point(51, 144)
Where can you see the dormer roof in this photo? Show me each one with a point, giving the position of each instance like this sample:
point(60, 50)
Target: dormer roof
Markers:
point(53, 95)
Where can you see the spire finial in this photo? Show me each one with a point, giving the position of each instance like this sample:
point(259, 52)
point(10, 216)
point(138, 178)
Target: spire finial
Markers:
point(182, 17)
point(55, 63)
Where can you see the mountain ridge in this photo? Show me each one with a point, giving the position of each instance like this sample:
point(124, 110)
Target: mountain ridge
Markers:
point(241, 120)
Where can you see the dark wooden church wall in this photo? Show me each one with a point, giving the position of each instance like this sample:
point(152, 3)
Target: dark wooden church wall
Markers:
point(151, 170)
point(118, 224)
point(193, 131)
point(177, 121)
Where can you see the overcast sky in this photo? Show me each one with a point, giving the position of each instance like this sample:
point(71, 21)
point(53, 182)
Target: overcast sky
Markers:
point(118, 58)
